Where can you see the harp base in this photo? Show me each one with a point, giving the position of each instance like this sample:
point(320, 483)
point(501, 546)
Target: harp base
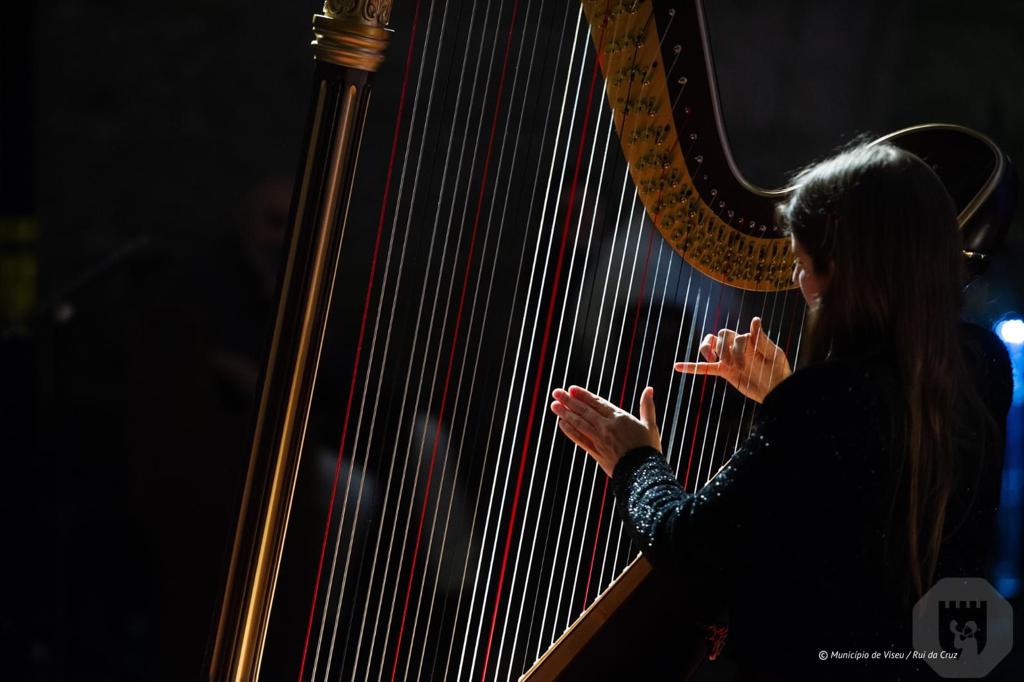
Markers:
point(639, 628)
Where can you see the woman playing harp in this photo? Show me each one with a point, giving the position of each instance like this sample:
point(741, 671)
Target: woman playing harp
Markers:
point(871, 472)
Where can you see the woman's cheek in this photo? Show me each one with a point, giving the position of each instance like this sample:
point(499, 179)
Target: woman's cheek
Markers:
point(801, 281)
point(812, 288)
point(809, 289)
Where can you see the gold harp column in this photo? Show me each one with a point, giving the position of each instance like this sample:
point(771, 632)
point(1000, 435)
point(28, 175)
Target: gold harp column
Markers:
point(350, 40)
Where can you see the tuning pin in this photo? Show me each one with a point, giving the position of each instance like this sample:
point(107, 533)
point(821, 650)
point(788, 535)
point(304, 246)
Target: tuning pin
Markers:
point(677, 49)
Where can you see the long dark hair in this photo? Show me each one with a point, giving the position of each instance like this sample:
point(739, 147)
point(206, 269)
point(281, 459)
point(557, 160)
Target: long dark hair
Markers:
point(879, 221)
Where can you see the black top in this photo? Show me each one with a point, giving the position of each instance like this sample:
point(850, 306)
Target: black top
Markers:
point(790, 535)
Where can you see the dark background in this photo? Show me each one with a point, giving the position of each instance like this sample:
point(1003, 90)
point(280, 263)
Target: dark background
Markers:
point(146, 158)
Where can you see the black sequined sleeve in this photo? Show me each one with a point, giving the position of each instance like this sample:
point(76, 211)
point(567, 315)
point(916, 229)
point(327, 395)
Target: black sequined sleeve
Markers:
point(700, 532)
point(711, 532)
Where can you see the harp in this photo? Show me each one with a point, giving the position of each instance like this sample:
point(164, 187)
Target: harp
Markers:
point(550, 199)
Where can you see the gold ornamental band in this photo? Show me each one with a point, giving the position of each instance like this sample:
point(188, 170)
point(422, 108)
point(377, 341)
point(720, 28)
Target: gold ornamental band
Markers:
point(352, 34)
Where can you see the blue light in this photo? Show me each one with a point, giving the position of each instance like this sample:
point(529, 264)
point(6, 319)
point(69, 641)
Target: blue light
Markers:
point(1011, 331)
point(1007, 570)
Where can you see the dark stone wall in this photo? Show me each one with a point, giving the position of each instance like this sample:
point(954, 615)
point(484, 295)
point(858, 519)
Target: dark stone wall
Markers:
point(158, 118)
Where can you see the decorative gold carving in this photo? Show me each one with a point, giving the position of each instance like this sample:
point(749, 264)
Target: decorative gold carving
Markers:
point(368, 11)
point(352, 33)
point(626, 36)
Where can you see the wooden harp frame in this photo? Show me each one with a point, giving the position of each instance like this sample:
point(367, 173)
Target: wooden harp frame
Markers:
point(350, 42)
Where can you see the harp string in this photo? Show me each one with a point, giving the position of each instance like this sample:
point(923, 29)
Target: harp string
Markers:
point(526, 13)
point(575, 456)
point(591, 468)
point(590, 563)
point(694, 381)
point(497, 251)
point(774, 331)
point(743, 407)
point(552, 433)
point(667, 398)
point(651, 235)
point(772, 325)
point(680, 391)
point(507, 336)
point(532, 485)
point(386, 577)
point(711, 418)
point(517, 357)
point(617, 529)
point(427, 486)
point(715, 459)
point(384, 355)
point(705, 380)
point(528, 431)
point(454, 344)
point(380, 226)
point(486, 238)
point(588, 469)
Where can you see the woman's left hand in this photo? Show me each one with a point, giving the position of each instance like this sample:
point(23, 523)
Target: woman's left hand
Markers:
point(605, 431)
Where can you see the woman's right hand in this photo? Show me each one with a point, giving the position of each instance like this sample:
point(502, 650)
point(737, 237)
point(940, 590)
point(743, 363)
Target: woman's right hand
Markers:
point(750, 362)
